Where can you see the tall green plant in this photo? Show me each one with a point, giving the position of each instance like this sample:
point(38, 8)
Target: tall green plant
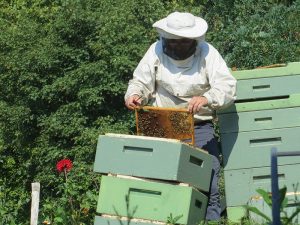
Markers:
point(267, 197)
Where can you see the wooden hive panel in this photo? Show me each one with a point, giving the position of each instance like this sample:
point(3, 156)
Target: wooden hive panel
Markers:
point(252, 149)
point(236, 213)
point(268, 87)
point(266, 83)
point(150, 200)
point(157, 158)
point(271, 114)
point(241, 184)
point(99, 220)
point(263, 207)
point(271, 104)
point(259, 120)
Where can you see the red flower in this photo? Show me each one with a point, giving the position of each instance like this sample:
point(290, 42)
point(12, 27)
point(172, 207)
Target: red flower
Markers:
point(64, 164)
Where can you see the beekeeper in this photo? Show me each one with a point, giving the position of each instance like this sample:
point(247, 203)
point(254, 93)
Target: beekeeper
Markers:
point(182, 70)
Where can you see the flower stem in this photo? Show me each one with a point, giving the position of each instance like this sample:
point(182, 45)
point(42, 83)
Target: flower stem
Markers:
point(65, 172)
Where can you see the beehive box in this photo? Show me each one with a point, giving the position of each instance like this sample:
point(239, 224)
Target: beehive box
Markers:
point(236, 213)
point(268, 82)
point(156, 158)
point(261, 115)
point(249, 130)
point(241, 184)
point(252, 149)
point(265, 115)
point(150, 200)
point(162, 122)
point(262, 206)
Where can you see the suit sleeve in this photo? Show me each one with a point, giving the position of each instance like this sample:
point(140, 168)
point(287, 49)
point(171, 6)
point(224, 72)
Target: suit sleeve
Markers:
point(223, 85)
point(143, 81)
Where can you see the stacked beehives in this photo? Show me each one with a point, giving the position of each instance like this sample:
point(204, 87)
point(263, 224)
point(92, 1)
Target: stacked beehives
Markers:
point(150, 181)
point(266, 114)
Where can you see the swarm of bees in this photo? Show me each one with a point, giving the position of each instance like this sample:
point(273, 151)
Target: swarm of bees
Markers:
point(162, 124)
point(180, 123)
point(149, 126)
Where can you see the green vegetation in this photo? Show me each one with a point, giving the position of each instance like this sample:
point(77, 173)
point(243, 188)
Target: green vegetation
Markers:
point(173, 220)
point(285, 218)
point(64, 68)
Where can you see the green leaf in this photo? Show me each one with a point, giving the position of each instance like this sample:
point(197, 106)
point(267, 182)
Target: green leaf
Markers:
point(266, 196)
point(58, 219)
point(256, 211)
point(290, 219)
point(282, 198)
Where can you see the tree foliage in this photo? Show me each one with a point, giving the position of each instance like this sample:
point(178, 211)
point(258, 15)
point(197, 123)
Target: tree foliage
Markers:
point(64, 68)
point(252, 34)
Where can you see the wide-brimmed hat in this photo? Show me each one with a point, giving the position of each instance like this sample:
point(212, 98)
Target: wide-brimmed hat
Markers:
point(184, 25)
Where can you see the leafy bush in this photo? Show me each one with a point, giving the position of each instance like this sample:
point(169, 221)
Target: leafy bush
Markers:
point(251, 34)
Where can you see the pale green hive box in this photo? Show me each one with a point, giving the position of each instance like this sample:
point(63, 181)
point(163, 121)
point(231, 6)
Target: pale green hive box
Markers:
point(241, 184)
point(268, 82)
point(235, 214)
point(156, 158)
point(262, 206)
point(261, 115)
point(151, 200)
point(252, 149)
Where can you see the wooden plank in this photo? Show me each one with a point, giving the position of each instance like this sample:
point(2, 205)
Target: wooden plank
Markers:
point(162, 109)
point(149, 179)
point(236, 213)
point(150, 200)
point(267, 87)
point(241, 184)
point(289, 70)
point(35, 200)
point(259, 120)
point(154, 158)
point(290, 102)
point(263, 207)
point(114, 220)
point(252, 149)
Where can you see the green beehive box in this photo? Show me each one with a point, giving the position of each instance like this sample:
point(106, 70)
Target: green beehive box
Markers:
point(262, 206)
point(252, 149)
point(235, 214)
point(99, 220)
point(262, 83)
point(150, 200)
point(157, 158)
point(241, 184)
point(250, 116)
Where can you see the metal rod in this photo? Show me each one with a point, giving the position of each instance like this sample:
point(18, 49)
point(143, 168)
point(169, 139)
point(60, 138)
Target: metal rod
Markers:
point(275, 188)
